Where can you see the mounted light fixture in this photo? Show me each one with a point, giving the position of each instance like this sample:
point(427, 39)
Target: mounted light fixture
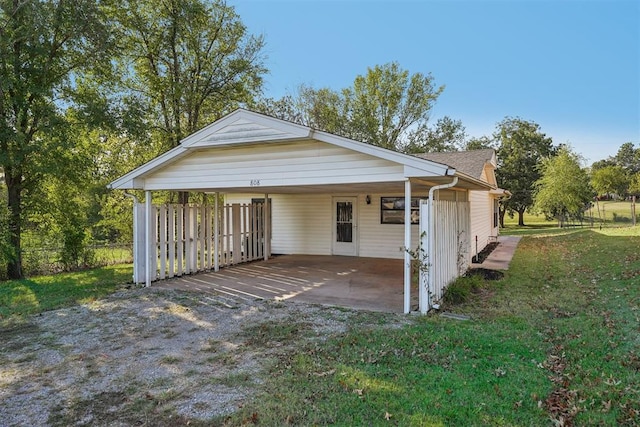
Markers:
point(368, 199)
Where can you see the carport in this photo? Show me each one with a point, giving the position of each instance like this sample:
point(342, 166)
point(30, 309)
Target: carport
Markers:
point(299, 191)
point(374, 284)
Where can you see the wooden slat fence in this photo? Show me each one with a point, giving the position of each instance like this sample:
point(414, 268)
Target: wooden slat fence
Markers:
point(450, 257)
point(184, 237)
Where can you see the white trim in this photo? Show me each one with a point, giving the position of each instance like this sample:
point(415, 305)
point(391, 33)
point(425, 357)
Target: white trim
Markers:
point(414, 166)
point(148, 224)
point(407, 246)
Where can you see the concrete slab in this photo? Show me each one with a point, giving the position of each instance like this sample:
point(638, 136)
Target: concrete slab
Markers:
point(374, 284)
point(502, 255)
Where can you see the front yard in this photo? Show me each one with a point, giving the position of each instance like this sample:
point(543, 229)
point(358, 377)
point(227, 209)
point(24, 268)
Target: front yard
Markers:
point(556, 342)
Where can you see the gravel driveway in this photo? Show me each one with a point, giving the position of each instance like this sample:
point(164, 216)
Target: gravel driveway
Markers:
point(150, 357)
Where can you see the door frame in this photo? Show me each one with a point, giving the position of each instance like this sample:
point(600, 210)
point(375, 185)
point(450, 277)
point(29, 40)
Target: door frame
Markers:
point(342, 248)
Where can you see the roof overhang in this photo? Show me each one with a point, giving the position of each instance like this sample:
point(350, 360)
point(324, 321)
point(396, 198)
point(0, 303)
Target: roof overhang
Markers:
point(245, 128)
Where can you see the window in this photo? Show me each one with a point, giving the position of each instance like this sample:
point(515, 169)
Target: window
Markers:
point(496, 213)
point(392, 210)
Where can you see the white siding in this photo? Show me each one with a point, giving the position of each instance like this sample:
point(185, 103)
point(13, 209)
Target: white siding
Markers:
point(481, 219)
point(282, 164)
point(302, 224)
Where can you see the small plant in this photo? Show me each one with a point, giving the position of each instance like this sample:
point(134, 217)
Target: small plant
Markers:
point(461, 289)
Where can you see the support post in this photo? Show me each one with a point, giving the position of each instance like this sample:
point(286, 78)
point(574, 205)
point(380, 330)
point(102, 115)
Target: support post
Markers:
point(407, 246)
point(149, 224)
point(267, 231)
point(216, 234)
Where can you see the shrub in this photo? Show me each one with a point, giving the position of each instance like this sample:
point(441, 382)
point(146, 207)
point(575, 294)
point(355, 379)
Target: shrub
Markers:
point(460, 290)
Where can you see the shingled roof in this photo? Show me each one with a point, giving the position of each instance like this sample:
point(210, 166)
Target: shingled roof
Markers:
point(468, 162)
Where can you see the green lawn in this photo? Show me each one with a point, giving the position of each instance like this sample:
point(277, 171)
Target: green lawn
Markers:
point(556, 339)
point(603, 214)
point(42, 293)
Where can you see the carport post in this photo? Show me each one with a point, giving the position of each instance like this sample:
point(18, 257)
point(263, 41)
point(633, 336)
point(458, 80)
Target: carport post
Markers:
point(407, 246)
point(267, 234)
point(216, 238)
point(147, 212)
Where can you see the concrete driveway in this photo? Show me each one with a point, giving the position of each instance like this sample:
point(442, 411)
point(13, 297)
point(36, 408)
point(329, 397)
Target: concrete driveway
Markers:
point(363, 283)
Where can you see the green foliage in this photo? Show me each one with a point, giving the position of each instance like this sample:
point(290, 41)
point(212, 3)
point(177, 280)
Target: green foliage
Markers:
point(610, 180)
point(522, 146)
point(190, 61)
point(445, 135)
point(563, 191)
point(387, 107)
point(45, 47)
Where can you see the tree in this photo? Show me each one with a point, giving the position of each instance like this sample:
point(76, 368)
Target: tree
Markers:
point(634, 186)
point(563, 191)
point(446, 134)
point(190, 61)
point(522, 146)
point(610, 180)
point(385, 107)
point(45, 46)
point(628, 157)
point(480, 143)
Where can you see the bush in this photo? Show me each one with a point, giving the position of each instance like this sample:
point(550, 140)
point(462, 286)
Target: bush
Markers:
point(461, 289)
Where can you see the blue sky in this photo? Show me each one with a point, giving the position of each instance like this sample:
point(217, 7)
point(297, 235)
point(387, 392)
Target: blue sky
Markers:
point(571, 66)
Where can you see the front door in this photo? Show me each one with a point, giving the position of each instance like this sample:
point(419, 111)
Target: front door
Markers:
point(345, 227)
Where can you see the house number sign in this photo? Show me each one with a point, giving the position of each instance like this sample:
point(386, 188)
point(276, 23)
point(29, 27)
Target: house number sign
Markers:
point(254, 183)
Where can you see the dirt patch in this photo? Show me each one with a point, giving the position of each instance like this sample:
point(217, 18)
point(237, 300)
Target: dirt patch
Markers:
point(152, 357)
point(484, 253)
point(485, 273)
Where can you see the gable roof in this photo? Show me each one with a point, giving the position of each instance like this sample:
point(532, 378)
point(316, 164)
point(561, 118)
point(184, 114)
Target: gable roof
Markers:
point(469, 162)
point(247, 128)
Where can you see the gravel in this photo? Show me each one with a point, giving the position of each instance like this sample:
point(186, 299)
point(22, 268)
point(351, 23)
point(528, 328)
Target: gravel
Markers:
point(108, 362)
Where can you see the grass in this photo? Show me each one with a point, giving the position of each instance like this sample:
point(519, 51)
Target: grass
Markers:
point(43, 293)
point(555, 341)
point(604, 214)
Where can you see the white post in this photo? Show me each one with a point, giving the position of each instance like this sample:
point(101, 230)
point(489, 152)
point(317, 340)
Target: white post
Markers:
point(267, 231)
point(216, 235)
point(148, 242)
point(407, 246)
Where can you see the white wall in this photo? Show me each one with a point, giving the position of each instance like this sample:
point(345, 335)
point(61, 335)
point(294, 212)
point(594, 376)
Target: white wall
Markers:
point(481, 219)
point(302, 224)
point(273, 165)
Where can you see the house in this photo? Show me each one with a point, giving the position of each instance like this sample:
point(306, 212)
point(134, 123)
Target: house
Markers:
point(290, 189)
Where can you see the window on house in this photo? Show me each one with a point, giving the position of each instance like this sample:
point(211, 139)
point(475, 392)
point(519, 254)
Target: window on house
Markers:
point(496, 213)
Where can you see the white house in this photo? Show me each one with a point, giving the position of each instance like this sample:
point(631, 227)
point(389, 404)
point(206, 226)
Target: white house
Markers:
point(290, 189)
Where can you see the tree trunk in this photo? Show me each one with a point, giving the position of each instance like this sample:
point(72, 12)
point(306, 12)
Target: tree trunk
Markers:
point(501, 213)
point(521, 217)
point(14, 202)
point(183, 197)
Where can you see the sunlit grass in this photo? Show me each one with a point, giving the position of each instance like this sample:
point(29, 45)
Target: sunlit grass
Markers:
point(42, 293)
point(562, 325)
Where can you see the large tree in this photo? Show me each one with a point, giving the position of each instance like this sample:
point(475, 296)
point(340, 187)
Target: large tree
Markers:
point(45, 46)
point(386, 107)
point(610, 180)
point(563, 191)
point(189, 61)
point(522, 147)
